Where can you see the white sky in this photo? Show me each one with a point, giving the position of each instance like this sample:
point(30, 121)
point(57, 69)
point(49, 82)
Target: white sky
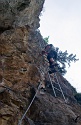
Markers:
point(61, 21)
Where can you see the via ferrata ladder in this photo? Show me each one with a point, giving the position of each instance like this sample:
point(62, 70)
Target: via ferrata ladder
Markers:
point(54, 88)
point(60, 89)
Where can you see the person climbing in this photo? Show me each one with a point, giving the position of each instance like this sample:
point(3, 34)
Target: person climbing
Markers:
point(51, 55)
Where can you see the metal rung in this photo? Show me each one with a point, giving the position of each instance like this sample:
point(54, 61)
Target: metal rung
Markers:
point(60, 89)
point(57, 89)
point(55, 83)
point(52, 85)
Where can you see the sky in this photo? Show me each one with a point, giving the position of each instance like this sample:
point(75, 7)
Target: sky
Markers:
point(61, 21)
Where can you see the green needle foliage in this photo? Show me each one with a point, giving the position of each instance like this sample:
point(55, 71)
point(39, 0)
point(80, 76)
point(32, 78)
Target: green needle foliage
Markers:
point(46, 39)
point(63, 59)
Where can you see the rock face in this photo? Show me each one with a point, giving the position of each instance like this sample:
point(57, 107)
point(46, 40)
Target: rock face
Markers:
point(22, 69)
point(19, 13)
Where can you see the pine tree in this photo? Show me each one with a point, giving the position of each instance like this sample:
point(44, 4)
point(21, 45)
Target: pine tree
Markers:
point(63, 59)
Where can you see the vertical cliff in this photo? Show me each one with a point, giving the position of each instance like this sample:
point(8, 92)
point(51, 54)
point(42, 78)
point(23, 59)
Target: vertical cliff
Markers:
point(22, 69)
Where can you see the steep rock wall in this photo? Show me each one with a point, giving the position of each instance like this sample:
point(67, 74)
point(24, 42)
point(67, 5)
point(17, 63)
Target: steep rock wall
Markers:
point(20, 13)
point(22, 69)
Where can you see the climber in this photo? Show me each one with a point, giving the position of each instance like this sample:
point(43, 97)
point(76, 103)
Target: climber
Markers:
point(51, 55)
